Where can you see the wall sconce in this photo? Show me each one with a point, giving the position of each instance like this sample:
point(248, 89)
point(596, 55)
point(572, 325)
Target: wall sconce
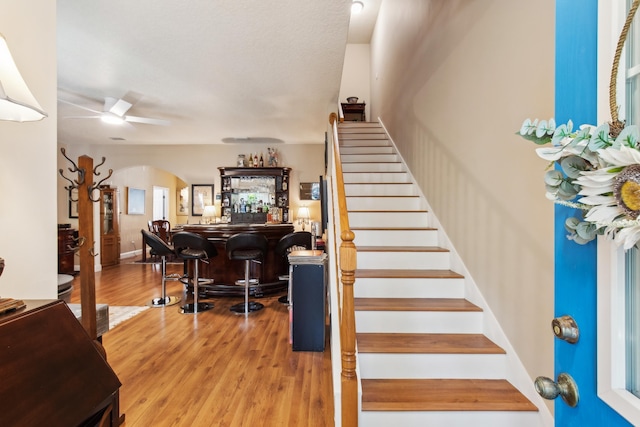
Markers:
point(17, 104)
point(209, 214)
point(303, 216)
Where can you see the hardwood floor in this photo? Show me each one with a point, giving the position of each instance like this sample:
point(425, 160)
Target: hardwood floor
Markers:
point(210, 369)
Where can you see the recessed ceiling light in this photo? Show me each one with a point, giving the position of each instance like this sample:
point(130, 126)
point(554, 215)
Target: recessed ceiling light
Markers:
point(357, 6)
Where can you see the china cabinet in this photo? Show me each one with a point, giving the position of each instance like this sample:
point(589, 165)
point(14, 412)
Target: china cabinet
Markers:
point(109, 227)
point(254, 195)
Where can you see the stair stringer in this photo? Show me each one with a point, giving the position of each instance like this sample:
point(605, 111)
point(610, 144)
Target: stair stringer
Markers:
point(516, 373)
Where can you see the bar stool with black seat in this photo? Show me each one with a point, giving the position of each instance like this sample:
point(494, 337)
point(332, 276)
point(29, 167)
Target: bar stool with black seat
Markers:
point(192, 246)
point(247, 247)
point(163, 250)
point(298, 240)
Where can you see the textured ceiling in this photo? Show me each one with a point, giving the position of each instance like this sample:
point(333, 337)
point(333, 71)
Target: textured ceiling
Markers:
point(216, 69)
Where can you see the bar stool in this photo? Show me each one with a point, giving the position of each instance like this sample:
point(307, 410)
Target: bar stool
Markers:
point(197, 248)
point(162, 250)
point(246, 247)
point(288, 242)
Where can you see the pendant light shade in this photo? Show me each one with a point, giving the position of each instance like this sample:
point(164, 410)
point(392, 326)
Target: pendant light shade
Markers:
point(17, 104)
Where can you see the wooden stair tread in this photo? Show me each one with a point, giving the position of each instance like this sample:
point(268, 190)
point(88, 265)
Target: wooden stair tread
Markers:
point(347, 173)
point(377, 162)
point(426, 343)
point(401, 249)
point(442, 395)
point(378, 273)
point(415, 304)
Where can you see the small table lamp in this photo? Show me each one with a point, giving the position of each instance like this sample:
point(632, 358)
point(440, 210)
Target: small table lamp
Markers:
point(303, 216)
point(209, 214)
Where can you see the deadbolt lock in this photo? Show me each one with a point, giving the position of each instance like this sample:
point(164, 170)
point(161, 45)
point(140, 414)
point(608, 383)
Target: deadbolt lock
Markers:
point(565, 387)
point(565, 328)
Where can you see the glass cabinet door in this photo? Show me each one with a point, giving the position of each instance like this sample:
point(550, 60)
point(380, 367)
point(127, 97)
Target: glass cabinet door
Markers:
point(107, 206)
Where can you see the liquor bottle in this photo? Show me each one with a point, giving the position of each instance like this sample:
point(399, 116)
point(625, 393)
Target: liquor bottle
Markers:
point(261, 161)
point(250, 160)
point(255, 160)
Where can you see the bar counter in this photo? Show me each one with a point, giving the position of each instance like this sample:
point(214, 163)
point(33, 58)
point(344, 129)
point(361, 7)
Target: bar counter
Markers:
point(225, 272)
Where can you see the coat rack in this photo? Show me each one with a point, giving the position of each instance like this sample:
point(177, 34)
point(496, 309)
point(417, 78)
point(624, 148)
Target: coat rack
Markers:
point(86, 242)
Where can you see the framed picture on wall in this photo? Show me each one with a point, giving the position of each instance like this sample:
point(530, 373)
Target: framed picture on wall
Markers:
point(135, 201)
point(73, 203)
point(201, 196)
point(182, 201)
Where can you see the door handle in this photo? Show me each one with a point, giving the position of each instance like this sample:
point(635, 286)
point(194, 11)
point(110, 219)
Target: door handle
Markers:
point(566, 328)
point(565, 387)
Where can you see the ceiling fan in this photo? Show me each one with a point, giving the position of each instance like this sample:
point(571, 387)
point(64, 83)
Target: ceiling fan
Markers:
point(115, 111)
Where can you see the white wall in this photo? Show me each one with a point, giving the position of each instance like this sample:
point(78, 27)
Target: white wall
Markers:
point(453, 80)
point(355, 75)
point(28, 233)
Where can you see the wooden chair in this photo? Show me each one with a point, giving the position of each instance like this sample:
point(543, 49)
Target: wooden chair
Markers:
point(162, 229)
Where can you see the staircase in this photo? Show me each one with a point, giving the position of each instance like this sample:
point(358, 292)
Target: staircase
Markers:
point(422, 355)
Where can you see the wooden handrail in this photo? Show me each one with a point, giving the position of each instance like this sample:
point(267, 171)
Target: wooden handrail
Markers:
point(347, 260)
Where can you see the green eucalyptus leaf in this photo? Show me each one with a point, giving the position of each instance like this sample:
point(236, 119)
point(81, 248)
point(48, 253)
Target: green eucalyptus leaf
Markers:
point(600, 138)
point(533, 138)
point(567, 191)
point(553, 178)
point(573, 165)
point(579, 240)
point(586, 231)
point(571, 223)
point(628, 137)
point(560, 133)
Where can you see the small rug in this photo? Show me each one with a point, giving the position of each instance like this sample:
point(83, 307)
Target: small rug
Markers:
point(118, 314)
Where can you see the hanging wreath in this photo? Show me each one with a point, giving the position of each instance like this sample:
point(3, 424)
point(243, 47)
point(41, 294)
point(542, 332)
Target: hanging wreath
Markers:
point(598, 168)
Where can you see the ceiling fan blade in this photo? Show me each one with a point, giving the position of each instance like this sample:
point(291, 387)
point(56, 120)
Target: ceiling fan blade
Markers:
point(146, 120)
point(80, 106)
point(119, 108)
point(81, 117)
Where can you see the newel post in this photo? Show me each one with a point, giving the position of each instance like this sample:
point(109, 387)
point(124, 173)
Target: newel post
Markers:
point(349, 380)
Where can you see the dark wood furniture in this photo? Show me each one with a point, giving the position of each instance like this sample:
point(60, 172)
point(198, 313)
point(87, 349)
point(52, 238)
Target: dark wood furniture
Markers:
point(249, 193)
point(225, 272)
point(52, 371)
point(354, 112)
point(109, 227)
point(66, 243)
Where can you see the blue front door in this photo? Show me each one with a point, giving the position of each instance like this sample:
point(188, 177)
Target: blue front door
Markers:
point(575, 275)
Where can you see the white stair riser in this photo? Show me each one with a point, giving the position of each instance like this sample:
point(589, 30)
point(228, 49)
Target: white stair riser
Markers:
point(388, 219)
point(371, 177)
point(400, 365)
point(364, 143)
point(382, 149)
point(401, 189)
point(392, 237)
point(373, 167)
point(468, 322)
point(347, 127)
point(373, 158)
point(403, 203)
point(409, 288)
point(404, 260)
point(345, 137)
point(450, 419)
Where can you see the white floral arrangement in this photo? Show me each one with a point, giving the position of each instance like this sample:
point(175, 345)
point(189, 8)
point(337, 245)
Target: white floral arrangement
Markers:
point(598, 173)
